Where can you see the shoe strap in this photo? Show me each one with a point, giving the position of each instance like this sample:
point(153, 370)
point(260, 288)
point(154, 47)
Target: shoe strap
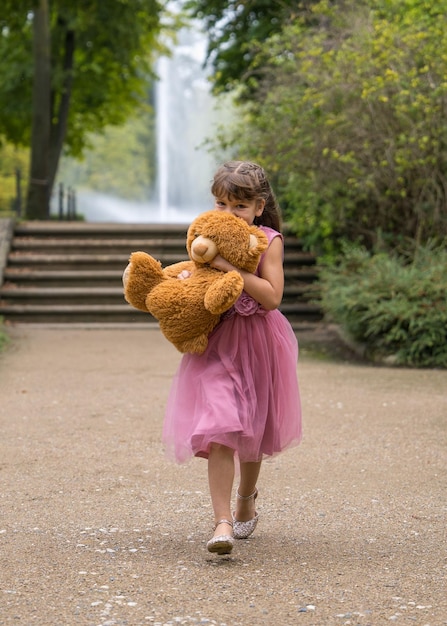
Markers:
point(223, 521)
point(253, 496)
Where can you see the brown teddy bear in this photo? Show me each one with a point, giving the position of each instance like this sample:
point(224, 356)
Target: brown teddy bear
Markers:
point(188, 309)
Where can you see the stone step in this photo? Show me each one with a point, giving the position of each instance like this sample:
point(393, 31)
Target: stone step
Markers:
point(28, 276)
point(117, 313)
point(61, 295)
point(10, 294)
point(103, 230)
point(87, 260)
point(71, 272)
point(61, 245)
point(63, 313)
point(82, 261)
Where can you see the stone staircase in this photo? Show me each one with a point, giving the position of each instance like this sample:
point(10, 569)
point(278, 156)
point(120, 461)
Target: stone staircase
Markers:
point(70, 272)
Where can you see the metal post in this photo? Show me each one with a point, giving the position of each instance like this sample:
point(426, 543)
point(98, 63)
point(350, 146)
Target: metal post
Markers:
point(18, 206)
point(61, 201)
point(69, 203)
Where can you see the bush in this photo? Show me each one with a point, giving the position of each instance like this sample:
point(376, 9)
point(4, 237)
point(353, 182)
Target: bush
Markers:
point(3, 336)
point(350, 121)
point(395, 306)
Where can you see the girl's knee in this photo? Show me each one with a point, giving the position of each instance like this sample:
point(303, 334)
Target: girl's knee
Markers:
point(220, 449)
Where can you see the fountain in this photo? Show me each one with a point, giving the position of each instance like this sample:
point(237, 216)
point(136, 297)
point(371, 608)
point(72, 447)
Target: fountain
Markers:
point(184, 122)
point(186, 118)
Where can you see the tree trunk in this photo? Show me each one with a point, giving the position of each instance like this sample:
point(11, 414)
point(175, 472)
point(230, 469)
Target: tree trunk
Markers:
point(38, 200)
point(58, 131)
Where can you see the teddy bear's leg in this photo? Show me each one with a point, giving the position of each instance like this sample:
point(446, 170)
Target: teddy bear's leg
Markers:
point(197, 345)
point(178, 306)
point(169, 299)
point(223, 293)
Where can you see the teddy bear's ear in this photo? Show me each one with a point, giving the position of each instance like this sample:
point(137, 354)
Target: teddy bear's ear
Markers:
point(258, 240)
point(253, 242)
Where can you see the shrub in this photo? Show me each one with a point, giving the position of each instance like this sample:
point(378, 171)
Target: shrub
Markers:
point(3, 336)
point(395, 306)
point(350, 120)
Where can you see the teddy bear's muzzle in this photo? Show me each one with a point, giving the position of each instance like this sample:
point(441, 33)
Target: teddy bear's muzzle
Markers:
point(203, 250)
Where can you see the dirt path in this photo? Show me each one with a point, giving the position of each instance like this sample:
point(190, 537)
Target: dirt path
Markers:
point(96, 528)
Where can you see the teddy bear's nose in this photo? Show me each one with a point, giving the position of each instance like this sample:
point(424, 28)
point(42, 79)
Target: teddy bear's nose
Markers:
point(200, 249)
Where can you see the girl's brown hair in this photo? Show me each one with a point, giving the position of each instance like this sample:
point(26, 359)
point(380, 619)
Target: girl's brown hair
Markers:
point(246, 181)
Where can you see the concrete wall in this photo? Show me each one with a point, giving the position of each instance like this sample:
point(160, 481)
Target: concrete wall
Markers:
point(6, 233)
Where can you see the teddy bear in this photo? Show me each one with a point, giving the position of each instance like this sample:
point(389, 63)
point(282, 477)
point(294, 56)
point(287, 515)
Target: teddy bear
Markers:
point(189, 308)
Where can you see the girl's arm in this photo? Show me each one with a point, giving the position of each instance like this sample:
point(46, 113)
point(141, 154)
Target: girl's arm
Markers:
point(267, 289)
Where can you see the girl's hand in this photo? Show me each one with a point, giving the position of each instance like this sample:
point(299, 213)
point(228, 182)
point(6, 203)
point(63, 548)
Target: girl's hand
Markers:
point(184, 274)
point(219, 263)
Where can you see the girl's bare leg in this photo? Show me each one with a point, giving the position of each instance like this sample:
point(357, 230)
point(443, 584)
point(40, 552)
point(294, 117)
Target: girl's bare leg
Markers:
point(246, 509)
point(220, 479)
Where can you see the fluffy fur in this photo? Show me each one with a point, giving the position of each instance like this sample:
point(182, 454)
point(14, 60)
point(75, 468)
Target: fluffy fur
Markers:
point(189, 309)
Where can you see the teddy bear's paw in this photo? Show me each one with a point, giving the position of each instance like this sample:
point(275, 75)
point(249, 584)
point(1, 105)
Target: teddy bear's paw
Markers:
point(126, 275)
point(141, 275)
point(223, 293)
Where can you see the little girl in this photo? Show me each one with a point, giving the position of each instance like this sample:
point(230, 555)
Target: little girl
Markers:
point(239, 400)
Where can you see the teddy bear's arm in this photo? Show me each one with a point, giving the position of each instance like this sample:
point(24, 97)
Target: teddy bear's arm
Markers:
point(223, 292)
point(141, 275)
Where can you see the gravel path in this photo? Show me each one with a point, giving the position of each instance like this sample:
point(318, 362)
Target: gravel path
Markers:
point(97, 528)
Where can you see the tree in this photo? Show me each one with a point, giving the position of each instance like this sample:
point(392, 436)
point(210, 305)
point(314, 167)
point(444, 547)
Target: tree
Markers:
point(351, 118)
point(39, 183)
point(237, 31)
point(100, 66)
point(13, 161)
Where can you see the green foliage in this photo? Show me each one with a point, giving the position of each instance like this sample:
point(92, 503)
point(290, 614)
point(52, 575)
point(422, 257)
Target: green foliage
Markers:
point(11, 159)
point(4, 339)
point(97, 75)
point(121, 161)
point(236, 30)
point(397, 307)
point(115, 43)
point(350, 119)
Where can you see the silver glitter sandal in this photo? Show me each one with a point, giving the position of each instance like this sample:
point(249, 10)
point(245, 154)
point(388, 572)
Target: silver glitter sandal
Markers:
point(222, 544)
point(242, 530)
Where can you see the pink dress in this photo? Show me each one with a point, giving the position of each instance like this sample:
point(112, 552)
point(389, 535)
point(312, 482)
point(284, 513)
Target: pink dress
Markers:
point(242, 392)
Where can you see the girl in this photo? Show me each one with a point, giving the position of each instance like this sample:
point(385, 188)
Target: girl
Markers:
point(239, 400)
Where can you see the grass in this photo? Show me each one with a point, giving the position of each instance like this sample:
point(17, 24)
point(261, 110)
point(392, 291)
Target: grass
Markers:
point(324, 344)
point(4, 339)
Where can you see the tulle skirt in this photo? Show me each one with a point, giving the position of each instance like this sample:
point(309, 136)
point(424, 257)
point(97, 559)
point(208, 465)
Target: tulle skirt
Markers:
point(242, 392)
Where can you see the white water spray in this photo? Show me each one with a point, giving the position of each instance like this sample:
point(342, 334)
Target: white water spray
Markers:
point(184, 109)
point(186, 118)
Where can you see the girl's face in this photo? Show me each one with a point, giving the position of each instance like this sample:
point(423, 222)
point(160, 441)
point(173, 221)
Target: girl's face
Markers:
point(245, 209)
